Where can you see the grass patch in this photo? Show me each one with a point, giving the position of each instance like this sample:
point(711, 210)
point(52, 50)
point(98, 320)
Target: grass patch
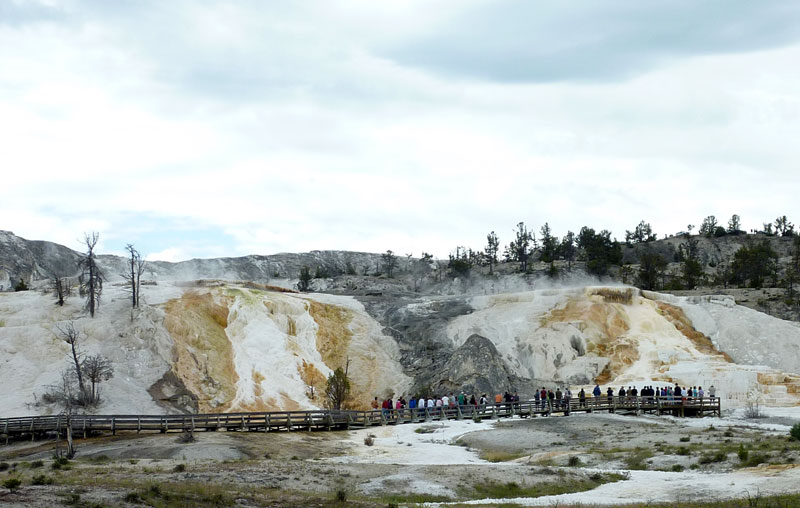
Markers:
point(506, 490)
point(636, 460)
point(413, 499)
point(500, 456)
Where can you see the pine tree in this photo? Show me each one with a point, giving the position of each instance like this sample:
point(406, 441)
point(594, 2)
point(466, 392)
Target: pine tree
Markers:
point(491, 249)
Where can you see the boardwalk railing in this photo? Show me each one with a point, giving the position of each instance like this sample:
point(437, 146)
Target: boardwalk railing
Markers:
point(34, 426)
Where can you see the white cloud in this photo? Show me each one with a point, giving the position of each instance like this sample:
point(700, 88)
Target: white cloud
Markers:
point(171, 254)
point(289, 129)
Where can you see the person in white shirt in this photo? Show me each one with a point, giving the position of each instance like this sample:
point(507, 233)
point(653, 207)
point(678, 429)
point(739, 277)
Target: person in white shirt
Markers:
point(445, 401)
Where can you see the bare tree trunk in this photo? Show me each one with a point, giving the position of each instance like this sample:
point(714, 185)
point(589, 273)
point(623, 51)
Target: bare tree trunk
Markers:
point(70, 447)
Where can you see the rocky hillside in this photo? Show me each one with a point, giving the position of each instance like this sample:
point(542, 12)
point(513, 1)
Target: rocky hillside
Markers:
point(358, 273)
point(35, 261)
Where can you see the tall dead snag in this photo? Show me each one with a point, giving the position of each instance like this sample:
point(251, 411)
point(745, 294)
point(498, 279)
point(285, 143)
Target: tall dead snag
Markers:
point(133, 275)
point(91, 277)
point(72, 336)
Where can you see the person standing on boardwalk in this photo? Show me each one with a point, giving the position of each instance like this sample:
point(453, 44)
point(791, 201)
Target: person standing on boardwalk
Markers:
point(712, 391)
point(582, 397)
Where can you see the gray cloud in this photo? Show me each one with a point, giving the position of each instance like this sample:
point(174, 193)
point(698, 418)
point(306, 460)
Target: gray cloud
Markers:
point(520, 40)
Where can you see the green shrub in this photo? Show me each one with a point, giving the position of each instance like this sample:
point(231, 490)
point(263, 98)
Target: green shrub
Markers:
point(341, 495)
point(574, 461)
point(179, 468)
point(36, 463)
point(742, 453)
point(683, 450)
point(4, 466)
point(755, 459)
point(708, 458)
point(132, 497)
point(685, 439)
point(41, 479)
point(795, 432)
point(12, 484)
point(677, 468)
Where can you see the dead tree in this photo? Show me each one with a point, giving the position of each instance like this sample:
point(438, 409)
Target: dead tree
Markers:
point(91, 277)
point(133, 274)
point(97, 368)
point(62, 288)
point(70, 334)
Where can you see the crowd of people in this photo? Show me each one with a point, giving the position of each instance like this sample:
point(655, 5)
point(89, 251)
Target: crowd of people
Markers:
point(548, 398)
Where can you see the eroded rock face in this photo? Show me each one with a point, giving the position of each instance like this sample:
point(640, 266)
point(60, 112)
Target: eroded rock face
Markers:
point(475, 367)
point(33, 260)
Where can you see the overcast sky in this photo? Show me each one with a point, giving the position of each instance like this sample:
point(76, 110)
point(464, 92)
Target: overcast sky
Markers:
point(204, 129)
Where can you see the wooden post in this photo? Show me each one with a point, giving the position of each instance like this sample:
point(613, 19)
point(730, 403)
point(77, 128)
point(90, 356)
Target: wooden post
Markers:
point(266, 422)
point(138, 424)
point(33, 435)
point(113, 427)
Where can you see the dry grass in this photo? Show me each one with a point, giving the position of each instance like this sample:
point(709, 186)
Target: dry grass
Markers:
point(267, 287)
point(614, 295)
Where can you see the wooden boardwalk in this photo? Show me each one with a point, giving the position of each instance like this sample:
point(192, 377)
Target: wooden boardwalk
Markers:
point(86, 425)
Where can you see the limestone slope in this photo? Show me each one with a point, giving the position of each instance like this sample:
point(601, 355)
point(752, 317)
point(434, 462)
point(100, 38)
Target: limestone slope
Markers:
point(621, 336)
point(209, 347)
